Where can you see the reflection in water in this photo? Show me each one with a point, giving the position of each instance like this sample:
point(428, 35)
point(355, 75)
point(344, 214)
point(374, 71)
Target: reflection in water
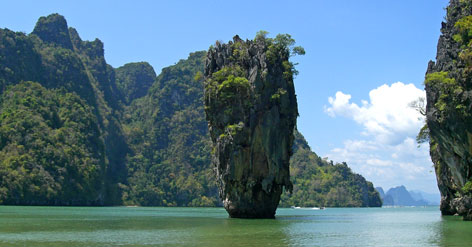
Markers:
point(243, 232)
point(60, 226)
point(453, 231)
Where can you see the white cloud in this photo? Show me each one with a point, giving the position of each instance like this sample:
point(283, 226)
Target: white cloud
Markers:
point(387, 154)
point(387, 117)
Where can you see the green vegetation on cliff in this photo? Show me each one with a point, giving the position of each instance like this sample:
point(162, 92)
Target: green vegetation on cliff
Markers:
point(317, 182)
point(56, 58)
point(51, 152)
point(449, 94)
point(84, 133)
point(167, 131)
point(230, 87)
point(134, 80)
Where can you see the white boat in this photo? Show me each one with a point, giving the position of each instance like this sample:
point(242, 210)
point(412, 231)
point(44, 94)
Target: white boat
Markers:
point(313, 208)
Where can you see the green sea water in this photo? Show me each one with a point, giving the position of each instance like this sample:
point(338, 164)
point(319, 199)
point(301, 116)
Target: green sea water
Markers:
point(156, 226)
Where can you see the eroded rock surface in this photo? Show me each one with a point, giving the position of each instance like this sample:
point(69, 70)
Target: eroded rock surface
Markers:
point(449, 92)
point(251, 107)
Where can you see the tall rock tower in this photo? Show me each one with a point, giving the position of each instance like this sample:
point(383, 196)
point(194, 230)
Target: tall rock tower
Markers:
point(251, 108)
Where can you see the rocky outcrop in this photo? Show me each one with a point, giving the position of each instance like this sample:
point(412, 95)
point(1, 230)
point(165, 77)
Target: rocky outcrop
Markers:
point(449, 107)
point(53, 30)
point(251, 108)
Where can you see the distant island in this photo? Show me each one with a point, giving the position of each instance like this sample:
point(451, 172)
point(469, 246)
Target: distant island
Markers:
point(400, 196)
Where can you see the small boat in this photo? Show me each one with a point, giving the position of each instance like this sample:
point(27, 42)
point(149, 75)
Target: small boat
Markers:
point(313, 208)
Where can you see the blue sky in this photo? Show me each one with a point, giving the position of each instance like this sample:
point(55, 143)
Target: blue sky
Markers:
point(350, 103)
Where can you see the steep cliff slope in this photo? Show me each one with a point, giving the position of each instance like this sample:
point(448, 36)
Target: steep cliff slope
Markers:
point(449, 93)
point(54, 56)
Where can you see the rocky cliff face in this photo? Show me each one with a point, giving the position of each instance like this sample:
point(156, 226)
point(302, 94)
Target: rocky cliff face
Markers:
point(251, 108)
point(449, 105)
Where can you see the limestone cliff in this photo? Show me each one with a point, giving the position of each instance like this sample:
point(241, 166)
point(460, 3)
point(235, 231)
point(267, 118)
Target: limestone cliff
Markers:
point(449, 92)
point(251, 107)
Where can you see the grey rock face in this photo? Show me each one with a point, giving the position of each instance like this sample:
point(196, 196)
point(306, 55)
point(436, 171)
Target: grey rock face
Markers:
point(251, 107)
point(448, 116)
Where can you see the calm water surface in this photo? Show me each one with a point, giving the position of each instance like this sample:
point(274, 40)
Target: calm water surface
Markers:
point(154, 226)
